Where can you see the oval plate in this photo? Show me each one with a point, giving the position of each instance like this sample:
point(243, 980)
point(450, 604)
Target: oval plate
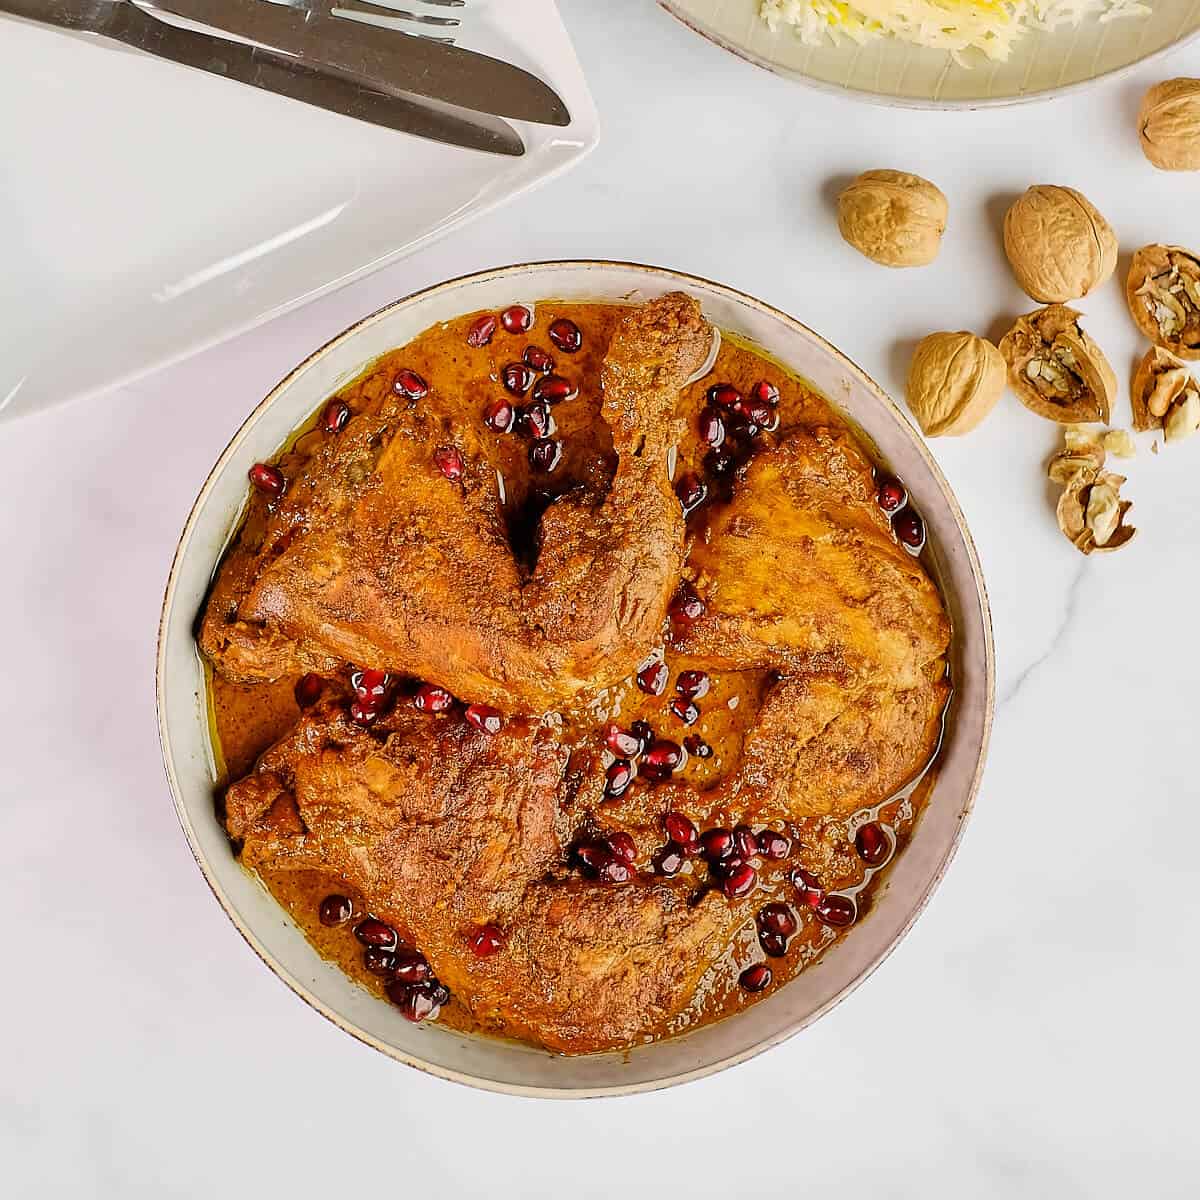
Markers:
point(887, 71)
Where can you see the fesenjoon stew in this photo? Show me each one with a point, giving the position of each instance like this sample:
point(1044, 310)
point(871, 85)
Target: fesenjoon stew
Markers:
point(813, 878)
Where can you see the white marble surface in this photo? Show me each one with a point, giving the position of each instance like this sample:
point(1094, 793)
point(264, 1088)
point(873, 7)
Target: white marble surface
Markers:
point(1034, 1035)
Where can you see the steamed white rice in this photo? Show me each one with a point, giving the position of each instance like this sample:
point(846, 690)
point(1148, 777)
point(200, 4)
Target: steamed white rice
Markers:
point(988, 26)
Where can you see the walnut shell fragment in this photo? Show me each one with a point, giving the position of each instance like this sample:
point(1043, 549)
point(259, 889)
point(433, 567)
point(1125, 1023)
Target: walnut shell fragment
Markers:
point(1056, 370)
point(894, 218)
point(1162, 383)
point(1163, 292)
point(954, 381)
point(1059, 246)
point(1092, 514)
point(1169, 125)
point(1080, 452)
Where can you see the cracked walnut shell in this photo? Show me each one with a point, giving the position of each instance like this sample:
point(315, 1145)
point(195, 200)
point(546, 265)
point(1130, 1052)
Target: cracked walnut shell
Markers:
point(894, 218)
point(1164, 394)
point(954, 382)
point(1056, 370)
point(1092, 514)
point(1169, 125)
point(1080, 452)
point(1163, 292)
point(1058, 244)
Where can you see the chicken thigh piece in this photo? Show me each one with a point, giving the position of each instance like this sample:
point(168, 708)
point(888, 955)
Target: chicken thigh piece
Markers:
point(375, 558)
point(445, 828)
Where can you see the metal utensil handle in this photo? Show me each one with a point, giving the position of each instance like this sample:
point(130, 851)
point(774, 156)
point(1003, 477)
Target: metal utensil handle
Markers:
point(88, 15)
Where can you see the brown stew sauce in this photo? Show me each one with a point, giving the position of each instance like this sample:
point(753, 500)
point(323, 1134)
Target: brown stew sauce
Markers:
point(246, 719)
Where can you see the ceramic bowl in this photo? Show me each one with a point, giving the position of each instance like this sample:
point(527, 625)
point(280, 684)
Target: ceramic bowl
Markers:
point(1043, 63)
point(508, 1066)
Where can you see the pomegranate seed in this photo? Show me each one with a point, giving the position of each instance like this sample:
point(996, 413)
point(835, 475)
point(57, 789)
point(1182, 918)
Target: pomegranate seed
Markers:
point(554, 389)
point(622, 742)
point(538, 359)
point(681, 830)
point(379, 962)
point(685, 710)
point(776, 918)
point(692, 684)
point(739, 882)
point(808, 887)
point(373, 932)
point(717, 843)
point(482, 330)
point(411, 966)
point(363, 712)
point(370, 686)
point(565, 335)
point(517, 378)
point(414, 1003)
point(910, 529)
point(774, 845)
point(652, 677)
point(432, 699)
point(774, 944)
point(545, 454)
point(617, 778)
point(448, 460)
point(335, 416)
point(499, 416)
point(437, 991)
point(409, 383)
point(890, 494)
point(723, 868)
point(669, 860)
point(692, 492)
point(755, 978)
point(765, 393)
point(724, 395)
point(745, 841)
point(591, 856)
point(615, 871)
point(517, 318)
point(308, 689)
point(837, 911)
point(721, 462)
point(695, 745)
point(485, 718)
point(711, 428)
point(623, 846)
point(536, 420)
point(644, 734)
point(686, 607)
point(269, 480)
point(662, 759)
point(335, 910)
point(872, 843)
point(486, 941)
point(762, 415)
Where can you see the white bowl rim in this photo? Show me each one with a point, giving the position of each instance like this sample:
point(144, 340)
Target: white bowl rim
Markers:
point(673, 278)
point(890, 100)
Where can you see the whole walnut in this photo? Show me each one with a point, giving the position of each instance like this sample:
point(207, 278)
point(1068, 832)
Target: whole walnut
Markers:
point(894, 218)
point(1059, 245)
point(954, 381)
point(1169, 125)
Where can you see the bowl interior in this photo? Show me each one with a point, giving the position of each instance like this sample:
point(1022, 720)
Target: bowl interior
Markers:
point(1041, 64)
point(509, 1066)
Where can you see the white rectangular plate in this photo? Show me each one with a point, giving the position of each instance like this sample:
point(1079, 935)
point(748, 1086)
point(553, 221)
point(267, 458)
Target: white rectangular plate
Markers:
point(155, 210)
